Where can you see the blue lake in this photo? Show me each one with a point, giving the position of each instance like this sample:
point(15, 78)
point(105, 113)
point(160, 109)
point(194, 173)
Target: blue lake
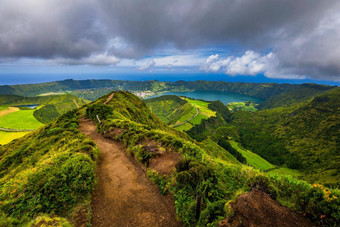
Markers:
point(31, 106)
point(224, 97)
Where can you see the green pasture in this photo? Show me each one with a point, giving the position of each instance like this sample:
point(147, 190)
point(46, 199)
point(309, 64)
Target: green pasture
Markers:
point(197, 120)
point(247, 106)
point(22, 119)
point(202, 106)
point(252, 159)
point(286, 171)
point(6, 137)
point(184, 127)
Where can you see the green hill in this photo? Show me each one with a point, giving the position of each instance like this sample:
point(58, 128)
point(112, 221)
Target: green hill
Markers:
point(50, 172)
point(295, 95)
point(47, 173)
point(308, 132)
point(168, 108)
point(179, 112)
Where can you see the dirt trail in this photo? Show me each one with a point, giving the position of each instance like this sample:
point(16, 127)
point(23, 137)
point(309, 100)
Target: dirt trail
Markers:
point(8, 111)
point(109, 98)
point(125, 196)
point(75, 102)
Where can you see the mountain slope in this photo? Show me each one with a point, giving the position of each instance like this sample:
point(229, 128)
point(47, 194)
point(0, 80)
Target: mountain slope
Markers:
point(205, 172)
point(168, 108)
point(309, 130)
point(49, 172)
point(302, 93)
point(52, 169)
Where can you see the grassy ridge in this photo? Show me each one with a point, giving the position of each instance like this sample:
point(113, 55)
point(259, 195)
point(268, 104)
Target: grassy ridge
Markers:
point(169, 108)
point(175, 111)
point(47, 175)
point(206, 170)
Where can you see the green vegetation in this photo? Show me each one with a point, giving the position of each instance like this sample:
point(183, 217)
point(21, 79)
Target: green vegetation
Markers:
point(248, 106)
point(227, 146)
point(47, 175)
point(62, 103)
point(252, 159)
point(6, 137)
point(46, 113)
point(169, 108)
point(206, 169)
point(286, 171)
point(180, 113)
point(207, 127)
point(198, 119)
point(22, 119)
point(93, 89)
point(184, 127)
point(301, 93)
point(202, 106)
point(304, 136)
point(188, 112)
point(3, 108)
point(92, 94)
point(50, 107)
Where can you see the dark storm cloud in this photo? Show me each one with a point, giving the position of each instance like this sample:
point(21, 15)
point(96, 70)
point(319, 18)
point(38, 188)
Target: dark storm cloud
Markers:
point(304, 35)
point(50, 28)
point(191, 23)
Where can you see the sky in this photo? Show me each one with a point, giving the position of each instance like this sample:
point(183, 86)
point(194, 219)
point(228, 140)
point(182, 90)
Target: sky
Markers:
point(260, 40)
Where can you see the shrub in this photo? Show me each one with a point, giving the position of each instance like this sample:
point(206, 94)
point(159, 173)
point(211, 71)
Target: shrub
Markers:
point(103, 111)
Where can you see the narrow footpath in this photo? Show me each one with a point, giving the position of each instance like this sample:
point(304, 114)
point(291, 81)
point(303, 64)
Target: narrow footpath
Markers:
point(124, 195)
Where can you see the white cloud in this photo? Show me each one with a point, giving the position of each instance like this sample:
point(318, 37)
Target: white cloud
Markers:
point(251, 63)
point(165, 62)
point(149, 66)
point(186, 60)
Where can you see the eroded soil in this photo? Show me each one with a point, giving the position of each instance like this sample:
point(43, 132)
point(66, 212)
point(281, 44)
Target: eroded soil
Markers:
point(124, 195)
point(258, 209)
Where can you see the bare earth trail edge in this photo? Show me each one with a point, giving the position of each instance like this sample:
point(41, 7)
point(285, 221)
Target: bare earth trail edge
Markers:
point(124, 195)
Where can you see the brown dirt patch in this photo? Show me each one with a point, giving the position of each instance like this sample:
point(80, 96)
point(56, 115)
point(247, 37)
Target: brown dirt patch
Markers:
point(258, 209)
point(109, 98)
point(113, 132)
point(165, 163)
point(124, 195)
point(80, 218)
point(8, 111)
